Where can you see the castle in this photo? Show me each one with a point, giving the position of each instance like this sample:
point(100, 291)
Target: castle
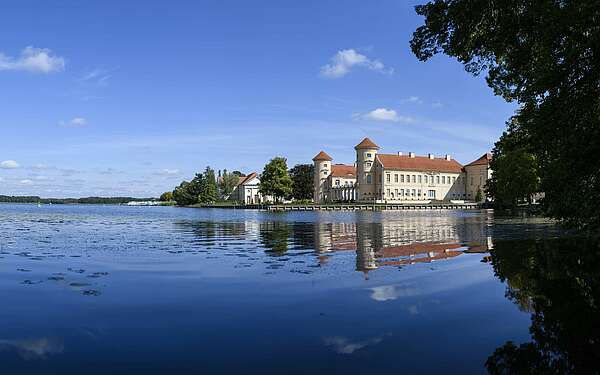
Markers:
point(398, 178)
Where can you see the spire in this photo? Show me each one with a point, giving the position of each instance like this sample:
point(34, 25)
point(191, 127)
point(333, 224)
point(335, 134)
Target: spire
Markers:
point(366, 143)
point(322, 156)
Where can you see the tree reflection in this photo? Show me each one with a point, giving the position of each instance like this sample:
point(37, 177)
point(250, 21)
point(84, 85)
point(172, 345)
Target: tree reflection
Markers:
point(275, 236)
point(558, 281)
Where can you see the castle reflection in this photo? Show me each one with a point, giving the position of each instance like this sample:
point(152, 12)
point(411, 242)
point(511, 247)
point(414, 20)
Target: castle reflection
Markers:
point(395, 241)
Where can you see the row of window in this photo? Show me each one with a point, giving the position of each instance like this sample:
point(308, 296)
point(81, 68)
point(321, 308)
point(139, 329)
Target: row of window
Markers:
point(399, 193)
point(444, 180)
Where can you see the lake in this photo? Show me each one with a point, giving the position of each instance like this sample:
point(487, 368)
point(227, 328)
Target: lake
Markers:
point(121, 290)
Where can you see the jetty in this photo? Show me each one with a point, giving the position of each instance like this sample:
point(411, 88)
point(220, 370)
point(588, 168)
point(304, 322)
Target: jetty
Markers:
point(352, 207)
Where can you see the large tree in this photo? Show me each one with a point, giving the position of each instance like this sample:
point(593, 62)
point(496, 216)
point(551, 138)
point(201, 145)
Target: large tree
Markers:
point(183, 194)
point(302, 181)
point(515, 175)
point(275, 180)
point(227, 183)
point(208, 192)
point(545, 55)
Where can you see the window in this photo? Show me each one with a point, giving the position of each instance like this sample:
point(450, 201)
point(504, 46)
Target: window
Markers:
point(402, 192)
point(453, 179)
point(368, 164)
point(413, 192)
point(369, 179)
point(337, 182)
point(325, 165)
point(414, 179)
point(431, 194)
point(425, 178)
point(419, 193)
point(448, 180)
point(401, 178)
point(388, 177)
point(369, 155)
point(387, 192)
point(396, 191)
point(437, 179)
point(443, 179)
point(396, 177)
point(420, 178)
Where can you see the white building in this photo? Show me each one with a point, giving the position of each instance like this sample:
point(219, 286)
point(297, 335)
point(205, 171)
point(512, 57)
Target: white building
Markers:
point(247, 190)
point(398, 178)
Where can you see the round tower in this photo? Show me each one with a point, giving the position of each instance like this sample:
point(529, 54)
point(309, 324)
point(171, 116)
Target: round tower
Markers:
point(366, 151)
point(322, 171)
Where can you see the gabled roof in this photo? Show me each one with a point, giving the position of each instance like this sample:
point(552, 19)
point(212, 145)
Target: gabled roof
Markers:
point(245, 179)
point(419, 163)
point(322, 156)
point(366, 143)
point(343, 170)
point(483, 160)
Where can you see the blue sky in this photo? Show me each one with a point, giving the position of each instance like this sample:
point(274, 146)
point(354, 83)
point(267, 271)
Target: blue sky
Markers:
point(130, 97)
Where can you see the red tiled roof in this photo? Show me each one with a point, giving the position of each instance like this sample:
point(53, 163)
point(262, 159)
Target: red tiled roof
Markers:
point(483, 160)
point(366, 143)
point(415, 248)
point(245, 179)
point(342, 170)
point(437, 256)
point(322, 156)
point(419, 163)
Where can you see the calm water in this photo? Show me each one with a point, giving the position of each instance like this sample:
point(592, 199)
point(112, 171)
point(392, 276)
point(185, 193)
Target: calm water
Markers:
point(121, 290)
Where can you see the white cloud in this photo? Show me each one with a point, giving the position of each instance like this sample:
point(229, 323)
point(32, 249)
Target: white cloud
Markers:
point(98, 76)
point(383, 114)
point(343, 62)
point(26, 182)
point(32, 59)
point(413, 99)
point(76, 122)
point(9, 164)
point(169, 172)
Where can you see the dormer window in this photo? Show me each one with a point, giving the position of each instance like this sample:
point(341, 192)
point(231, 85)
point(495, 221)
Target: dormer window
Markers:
point(369, 154)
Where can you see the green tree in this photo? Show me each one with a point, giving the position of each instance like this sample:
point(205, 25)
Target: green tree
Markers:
point(208, 192)
point(183, 194)
point(237, 173)
point(227, 183)
point(302, 181)
point(515, 173)
point(544, 55)
point(166, 197)
point(275, 180)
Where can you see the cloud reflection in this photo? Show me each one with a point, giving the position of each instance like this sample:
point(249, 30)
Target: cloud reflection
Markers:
point(391, 292)
point(343, 345)
point(30, 349)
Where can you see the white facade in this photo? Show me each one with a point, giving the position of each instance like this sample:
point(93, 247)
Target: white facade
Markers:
point(400, 178)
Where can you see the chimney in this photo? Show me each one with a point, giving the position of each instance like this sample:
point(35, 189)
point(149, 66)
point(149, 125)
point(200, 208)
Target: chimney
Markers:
point(431, 156)
point(448, 157)
point(399, 153)
point(411, 154)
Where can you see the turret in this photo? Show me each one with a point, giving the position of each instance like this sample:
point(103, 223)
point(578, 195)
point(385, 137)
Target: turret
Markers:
point(322, 171)
point(366, 151)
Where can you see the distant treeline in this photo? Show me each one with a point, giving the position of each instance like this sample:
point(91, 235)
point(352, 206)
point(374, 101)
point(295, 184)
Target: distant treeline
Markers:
point(88, 200)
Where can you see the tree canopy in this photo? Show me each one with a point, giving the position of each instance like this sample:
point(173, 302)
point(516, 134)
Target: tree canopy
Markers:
point(227, 182)
point(202, 189)
point(302, 181)
point(275, 180)
point(545, 55)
